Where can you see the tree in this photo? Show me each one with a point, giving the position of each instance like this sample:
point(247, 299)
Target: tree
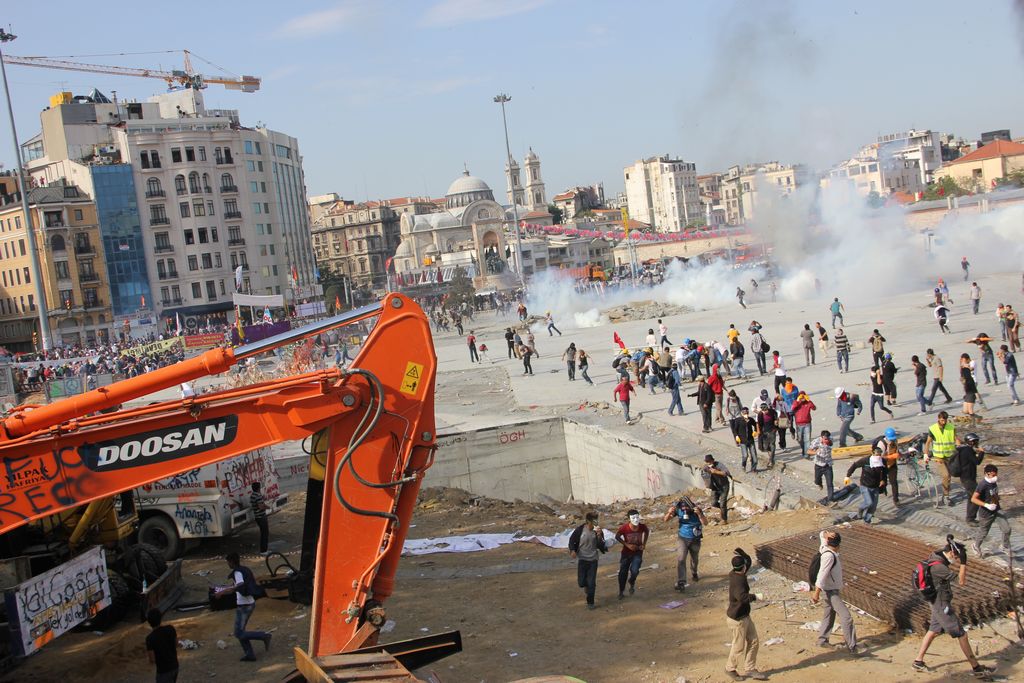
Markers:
point(556, 214)
point(460, 289)
point(945, 186)
point(699, 222)
point(1012, 179)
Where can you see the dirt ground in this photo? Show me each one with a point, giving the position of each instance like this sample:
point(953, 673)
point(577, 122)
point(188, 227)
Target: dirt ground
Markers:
point(521, 614)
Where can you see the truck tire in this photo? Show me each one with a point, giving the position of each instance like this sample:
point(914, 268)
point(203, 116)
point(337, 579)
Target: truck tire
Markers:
point(143, 561)
point(159, 532)
point(121, 598)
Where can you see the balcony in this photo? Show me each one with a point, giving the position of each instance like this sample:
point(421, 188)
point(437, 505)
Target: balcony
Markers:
point(88, 277)
point(160, 220)
point(55, 225)
point(232, 214)
point(171, 302)
point(182, 191)
point(93, 304)
point(236, 242)
point(168, 275)
point(155, 194)
point(164, 249)
point(224, 160)
point(245, 266)
point(229, 188)
point(84, 249)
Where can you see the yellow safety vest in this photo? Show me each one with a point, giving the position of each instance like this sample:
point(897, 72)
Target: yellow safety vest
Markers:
point(943, 440)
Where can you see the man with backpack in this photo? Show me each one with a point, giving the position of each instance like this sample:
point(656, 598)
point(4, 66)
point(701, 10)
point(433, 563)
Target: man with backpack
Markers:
point(246, 590)
point(964, 464)
point(585, 542)
point(934, 579)
point(674, 382)
point(827, 577)
point(691, 521)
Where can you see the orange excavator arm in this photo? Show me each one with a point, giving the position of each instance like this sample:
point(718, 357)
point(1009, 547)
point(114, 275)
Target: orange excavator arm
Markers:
point(379, 417)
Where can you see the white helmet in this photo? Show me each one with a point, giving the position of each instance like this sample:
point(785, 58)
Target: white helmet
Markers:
point(840, 391)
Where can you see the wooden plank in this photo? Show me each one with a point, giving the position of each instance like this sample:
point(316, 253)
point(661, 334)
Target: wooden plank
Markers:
point(309, 668)
point(400, 675)
point(862, 449)
point(367, 658)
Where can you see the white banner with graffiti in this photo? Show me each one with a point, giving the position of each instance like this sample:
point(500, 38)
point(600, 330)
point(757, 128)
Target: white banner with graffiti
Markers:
point(53, 603)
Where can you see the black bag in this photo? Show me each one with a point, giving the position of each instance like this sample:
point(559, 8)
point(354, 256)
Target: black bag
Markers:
point(249, 587)
point(953, 464)
point(922, 578)
point(812, 571)
point(765, 348)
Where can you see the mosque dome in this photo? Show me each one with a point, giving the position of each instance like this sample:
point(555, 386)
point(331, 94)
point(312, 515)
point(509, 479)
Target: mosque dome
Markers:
point(467, 189)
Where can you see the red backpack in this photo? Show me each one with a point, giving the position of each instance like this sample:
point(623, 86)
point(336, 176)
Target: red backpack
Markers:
point(922, 579)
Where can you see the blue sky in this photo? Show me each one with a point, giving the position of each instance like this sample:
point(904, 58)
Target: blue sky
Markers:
point(392, 98)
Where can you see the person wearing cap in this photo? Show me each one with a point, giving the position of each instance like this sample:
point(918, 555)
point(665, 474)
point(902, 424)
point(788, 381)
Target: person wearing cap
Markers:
point(691, 522)
point(968, 457)
point(848, 406)
point(986, 497)
point(745, 642)
point(830, 582)
point(872, 481)
point(633, 536)
point(1010, 365)
point(943, 616)
point(718, 480)
point(939, 446)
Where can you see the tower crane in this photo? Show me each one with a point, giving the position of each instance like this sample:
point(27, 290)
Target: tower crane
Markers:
point(186, 78)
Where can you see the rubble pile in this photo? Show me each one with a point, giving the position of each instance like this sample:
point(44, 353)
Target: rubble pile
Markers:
point(643, 310)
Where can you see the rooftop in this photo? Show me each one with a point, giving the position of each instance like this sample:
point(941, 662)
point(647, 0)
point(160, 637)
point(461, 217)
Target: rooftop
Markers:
point(999, 148)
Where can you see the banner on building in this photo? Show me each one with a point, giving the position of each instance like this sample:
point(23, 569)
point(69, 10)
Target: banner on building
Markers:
point(258, 301)
point(54, 602)
point(202, 341)
point(154, 347)
point(254, 333)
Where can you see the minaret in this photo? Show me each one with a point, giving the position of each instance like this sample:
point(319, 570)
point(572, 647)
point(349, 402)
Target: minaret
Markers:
point(535, 198)
point(513, 183)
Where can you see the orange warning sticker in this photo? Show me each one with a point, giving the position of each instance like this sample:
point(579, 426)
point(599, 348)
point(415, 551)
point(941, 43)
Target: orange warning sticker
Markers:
point(412, 378)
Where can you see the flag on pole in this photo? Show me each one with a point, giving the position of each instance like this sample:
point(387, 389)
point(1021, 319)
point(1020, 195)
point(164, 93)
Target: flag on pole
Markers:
point(337, 303)
point(143, 304)
point(267, 318)
point(178, 331)
point(238, 324)
point(238, 278)
point(295, 276)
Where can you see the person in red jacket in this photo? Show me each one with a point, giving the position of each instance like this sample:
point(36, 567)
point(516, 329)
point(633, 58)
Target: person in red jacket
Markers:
point(802, 408)
point(717, 385)
point(621, 394)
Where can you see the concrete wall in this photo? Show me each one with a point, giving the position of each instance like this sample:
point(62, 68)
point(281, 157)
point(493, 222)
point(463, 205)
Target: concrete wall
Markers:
point(525, 460)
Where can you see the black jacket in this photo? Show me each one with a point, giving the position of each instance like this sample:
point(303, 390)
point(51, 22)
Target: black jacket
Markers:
point(969, 461)
point(705, 396)
point(871, 477)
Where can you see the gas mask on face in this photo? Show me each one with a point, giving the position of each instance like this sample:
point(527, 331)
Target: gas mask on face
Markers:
point(634, 519)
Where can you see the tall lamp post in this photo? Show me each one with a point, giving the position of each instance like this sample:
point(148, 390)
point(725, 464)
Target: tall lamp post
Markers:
point(502, 99)
point(44, 321)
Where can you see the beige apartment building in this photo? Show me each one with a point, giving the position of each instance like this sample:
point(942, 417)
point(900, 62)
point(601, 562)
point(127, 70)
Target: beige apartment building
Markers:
point(984, 166)
point(743, 188)
point(663, 193)
point(73, 269)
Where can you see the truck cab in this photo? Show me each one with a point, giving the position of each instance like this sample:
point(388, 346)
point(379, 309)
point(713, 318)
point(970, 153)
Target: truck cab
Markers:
point(206, 502)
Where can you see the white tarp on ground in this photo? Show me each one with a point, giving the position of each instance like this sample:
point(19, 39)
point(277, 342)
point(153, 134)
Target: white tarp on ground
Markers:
point(472, 543)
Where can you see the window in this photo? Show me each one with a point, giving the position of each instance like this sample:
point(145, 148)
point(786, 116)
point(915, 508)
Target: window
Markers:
point(263, 187)
point(183, 208)
point(248, 146)
point(193, 263)
point(202, 154)
point(254, 186)
point(259, 229)
point(190, 154)
point(265, 272)
point(176, 155)
point(203, 237)
point(156, 212)
point(154, 157)
point(259, 166)
point(193, 183)
point(32, 302)
point(57, 243)
point(227, 183)
point(176, 292)
point(271, 249)
point(163, 239)
point(270, 229)
point(209, 207)
point(257, 208)
point(207, 262)
point(21, 247)
point(206, 183)
point(144, 157)
point(179, 184)
point(213, 235)
point(266, 207)
point(28, 277)
point(251, 166)
point(198, 207)
point(165, 294)
point(211, 289)
point(222, 290)
point(234, 235)
point(231, 209)
point(189, 237)
point(172, 269)
point(263, 250)
point(67, 298)
point(217, 261)
point(197, 290)
point(153, 188)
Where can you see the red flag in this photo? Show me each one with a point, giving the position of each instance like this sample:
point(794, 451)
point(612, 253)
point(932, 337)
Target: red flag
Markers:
point(295, 274)
point(618, 340)
point(337, 303)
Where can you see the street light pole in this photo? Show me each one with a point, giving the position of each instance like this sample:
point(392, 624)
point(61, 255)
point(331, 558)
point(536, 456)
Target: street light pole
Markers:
point(44, 321)
point(502, 99)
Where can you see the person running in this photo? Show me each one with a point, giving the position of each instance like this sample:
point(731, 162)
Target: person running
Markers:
point(745, 642)
point(621, 394)
point(975, 297)
point(986, 497)
point(586, 543)
point(719, 480)
point(837, 309)
point(920, 383)
point(943, 616)
point(877, 342)
point(705, 401)
point(510, 339)
point(633, 536)
point(969, 383)
point(965, 265)
point(526, 353)
point(822, 337)
point(966, 459)
point(830, 582)
point(691, 521)
point(663, 332)
point(583, 362)
point(889, 371)
point(757, 347)
point(872, 481)
point(1010, 366)
point(549, 320)
point(745, 429)
point(767, 420)
point(842, 343)
point(474, 357)
point(242, 584)
point(821, 450)
point(939, 446)
point(739, 296)
point(807, 339)
point(935, 363)
point(779, 370)
point(941, 314)
point(848, 406)
point(570, 361)
point(802, 408)
point(162, 647)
